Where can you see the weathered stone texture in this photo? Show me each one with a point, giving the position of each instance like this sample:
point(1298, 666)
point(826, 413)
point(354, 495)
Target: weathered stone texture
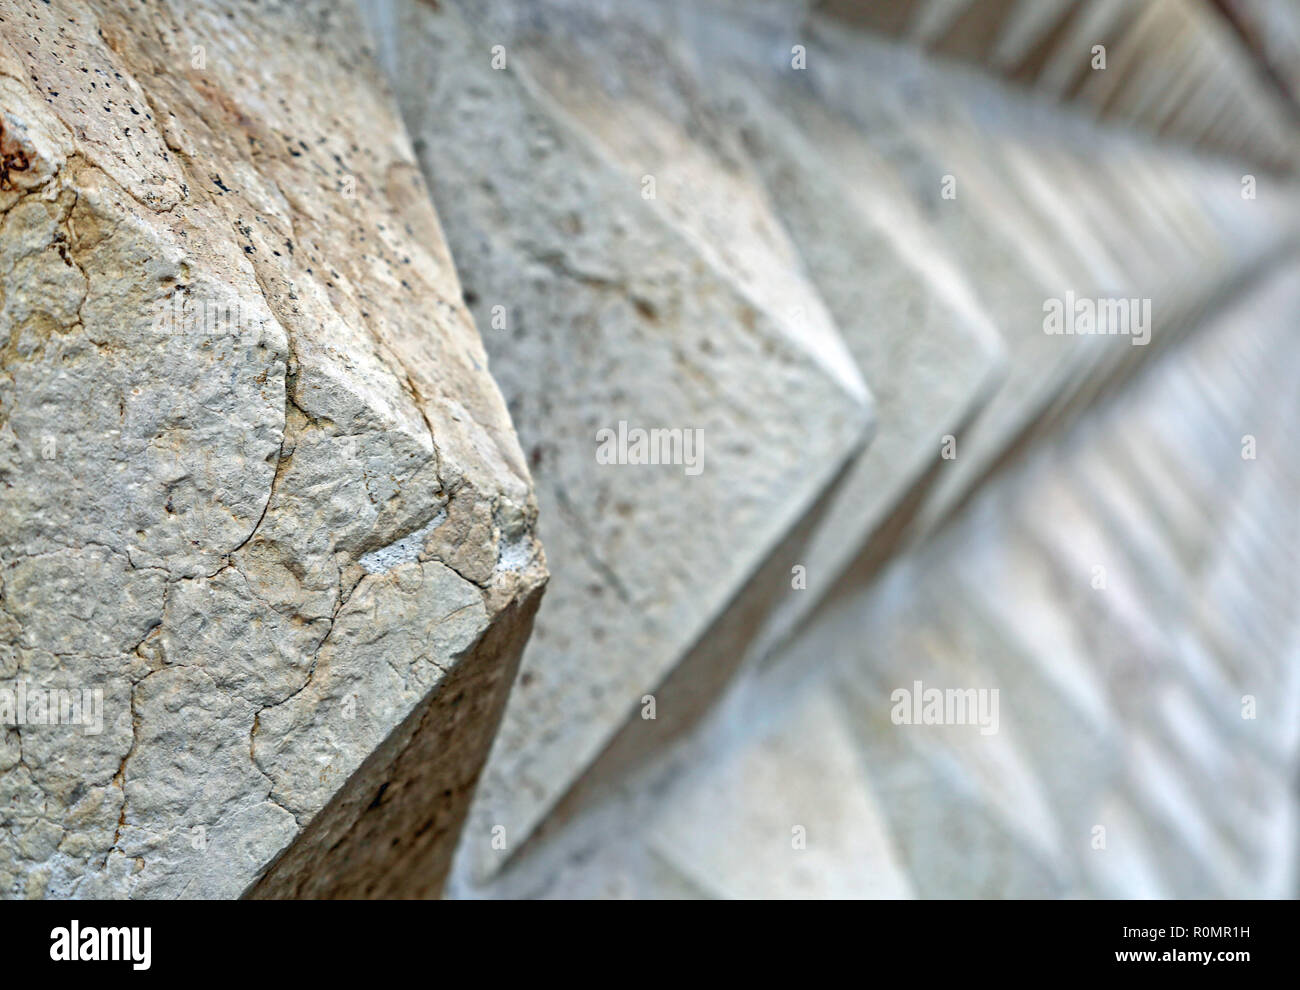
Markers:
point(237, 377)
point(618, 308)
point(259, 490)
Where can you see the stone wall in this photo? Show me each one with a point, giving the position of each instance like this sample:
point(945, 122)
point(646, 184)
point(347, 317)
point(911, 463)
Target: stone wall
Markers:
point(320, 319)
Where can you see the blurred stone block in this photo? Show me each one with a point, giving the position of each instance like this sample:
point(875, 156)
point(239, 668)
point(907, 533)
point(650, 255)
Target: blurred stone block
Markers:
point(622, 307)
point(785, 814)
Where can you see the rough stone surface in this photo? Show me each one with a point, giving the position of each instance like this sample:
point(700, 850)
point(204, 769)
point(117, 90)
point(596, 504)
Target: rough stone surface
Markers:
point(1120, 706)
point(618, 309)
point(260, 496)
point(236, 368)
point(750, 192)
point(918, 332)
